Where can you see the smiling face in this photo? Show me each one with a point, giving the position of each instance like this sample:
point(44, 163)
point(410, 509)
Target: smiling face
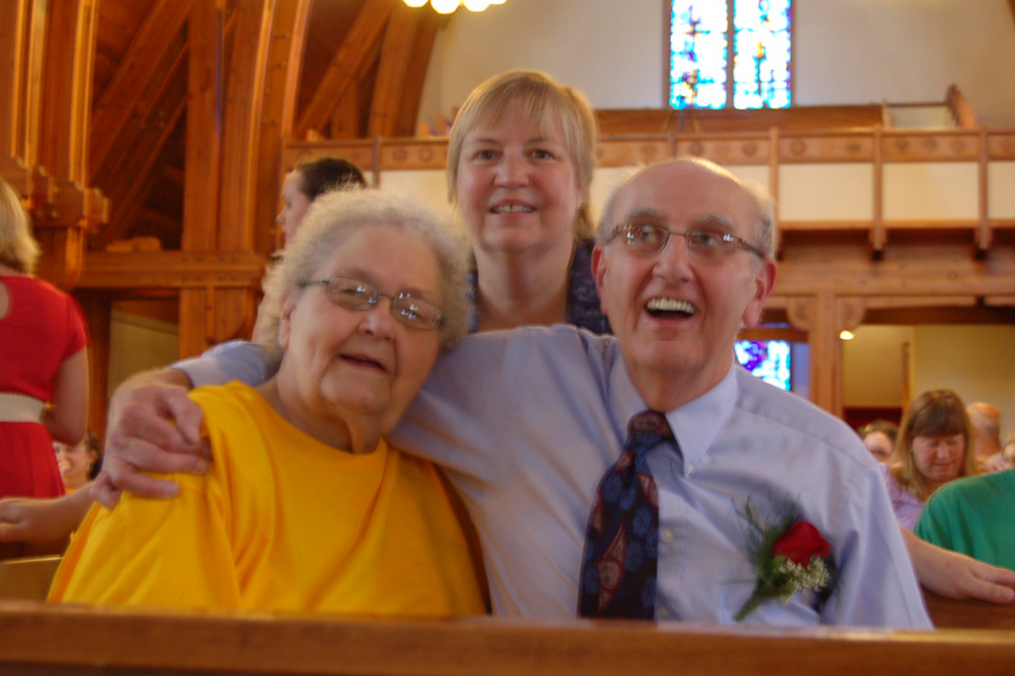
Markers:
point(939, 458)
point(294, 205)
point(75, 463)
point(677, 314)
point(517, 187)
point(351, 370)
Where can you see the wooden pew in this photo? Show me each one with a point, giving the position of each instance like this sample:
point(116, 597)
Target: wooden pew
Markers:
point(950, 614)
point(37, 640)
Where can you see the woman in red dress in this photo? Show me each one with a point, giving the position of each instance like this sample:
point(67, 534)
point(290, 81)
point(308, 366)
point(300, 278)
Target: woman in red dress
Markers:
point(43, 363)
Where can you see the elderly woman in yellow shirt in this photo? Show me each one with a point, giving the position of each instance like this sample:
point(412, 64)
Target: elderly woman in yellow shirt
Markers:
point(306, 507)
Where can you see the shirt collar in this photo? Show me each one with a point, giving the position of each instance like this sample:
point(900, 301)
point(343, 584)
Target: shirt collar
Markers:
point(695, 424)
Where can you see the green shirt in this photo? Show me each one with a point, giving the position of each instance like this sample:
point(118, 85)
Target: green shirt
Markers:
point(974, 516)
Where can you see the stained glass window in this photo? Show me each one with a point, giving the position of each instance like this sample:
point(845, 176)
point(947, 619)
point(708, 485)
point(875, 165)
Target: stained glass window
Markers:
point(766, 359)
point(710, 70)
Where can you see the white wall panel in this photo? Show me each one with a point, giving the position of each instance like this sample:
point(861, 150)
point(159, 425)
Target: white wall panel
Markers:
point(930, 191)
point(826, 192)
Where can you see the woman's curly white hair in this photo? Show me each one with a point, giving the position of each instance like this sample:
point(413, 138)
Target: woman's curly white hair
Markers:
point(331, 220)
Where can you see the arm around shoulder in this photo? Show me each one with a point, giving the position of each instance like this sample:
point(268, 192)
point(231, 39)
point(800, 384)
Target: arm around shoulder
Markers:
point(153, 426)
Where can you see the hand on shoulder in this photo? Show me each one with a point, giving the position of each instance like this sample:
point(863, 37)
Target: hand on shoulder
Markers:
point(154, 426)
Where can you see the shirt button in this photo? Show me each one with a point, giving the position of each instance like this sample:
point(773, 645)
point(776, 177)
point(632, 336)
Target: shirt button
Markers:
point(690, 470)
point(666, 535)
point(662, 613)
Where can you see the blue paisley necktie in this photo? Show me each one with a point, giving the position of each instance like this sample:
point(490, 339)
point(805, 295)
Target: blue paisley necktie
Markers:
point(619, 566)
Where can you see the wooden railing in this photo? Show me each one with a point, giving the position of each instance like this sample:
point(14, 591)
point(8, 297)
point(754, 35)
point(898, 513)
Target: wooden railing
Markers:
point(37, 639)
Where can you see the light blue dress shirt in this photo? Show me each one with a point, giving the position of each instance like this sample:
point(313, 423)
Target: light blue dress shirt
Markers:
point(526, 423)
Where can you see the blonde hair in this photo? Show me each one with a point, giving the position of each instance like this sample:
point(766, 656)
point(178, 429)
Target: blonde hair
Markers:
point(543, 100)
point(18, 248)
point(932, 414)
point(331, 220)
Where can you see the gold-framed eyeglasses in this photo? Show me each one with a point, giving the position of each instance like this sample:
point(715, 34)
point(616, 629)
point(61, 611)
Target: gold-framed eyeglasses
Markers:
point(649, 239)
point(355, 294)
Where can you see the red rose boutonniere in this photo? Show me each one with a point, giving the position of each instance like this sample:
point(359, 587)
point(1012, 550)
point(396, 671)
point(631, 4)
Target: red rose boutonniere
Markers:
point(788, 556)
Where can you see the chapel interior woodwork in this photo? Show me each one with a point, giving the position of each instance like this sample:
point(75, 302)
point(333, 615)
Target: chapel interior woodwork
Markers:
point(145, 641)
point(149, 137)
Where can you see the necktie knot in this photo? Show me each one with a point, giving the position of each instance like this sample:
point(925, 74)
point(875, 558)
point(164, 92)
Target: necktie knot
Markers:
point(646, 430)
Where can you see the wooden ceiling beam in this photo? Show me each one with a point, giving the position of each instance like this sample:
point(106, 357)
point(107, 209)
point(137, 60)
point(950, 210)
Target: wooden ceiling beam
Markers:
point(412, 91)
point(363, 36)
point(137, 178)
point(171, 270)
point(124, 97)
point(125, 176)
point(171, 70)
point(396, 56)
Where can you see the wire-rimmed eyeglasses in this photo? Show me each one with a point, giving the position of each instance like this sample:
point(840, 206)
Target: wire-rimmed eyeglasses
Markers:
point(650, 238)
point(355, 294)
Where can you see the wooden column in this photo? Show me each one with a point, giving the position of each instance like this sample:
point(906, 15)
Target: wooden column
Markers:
point(236, 308)
point(224, 148)
point(284, 63)
point(203, 157)
point(67, 86)
point(22, 50)
point(824, 316)
point(96, 308)
point(13, 21)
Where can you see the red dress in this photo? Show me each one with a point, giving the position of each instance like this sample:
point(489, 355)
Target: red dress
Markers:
point(43, 326)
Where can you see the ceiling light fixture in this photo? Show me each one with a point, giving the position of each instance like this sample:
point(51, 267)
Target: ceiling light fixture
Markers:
point(449, 6)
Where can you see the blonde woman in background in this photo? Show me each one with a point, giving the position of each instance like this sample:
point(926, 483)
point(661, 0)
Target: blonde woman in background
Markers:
point(43, 363)
point(520, 159)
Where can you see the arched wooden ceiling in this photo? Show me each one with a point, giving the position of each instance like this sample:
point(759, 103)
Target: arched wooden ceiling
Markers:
point(358, 72)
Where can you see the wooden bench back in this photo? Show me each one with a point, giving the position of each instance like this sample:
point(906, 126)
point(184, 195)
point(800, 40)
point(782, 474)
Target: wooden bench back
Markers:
point(42, 639)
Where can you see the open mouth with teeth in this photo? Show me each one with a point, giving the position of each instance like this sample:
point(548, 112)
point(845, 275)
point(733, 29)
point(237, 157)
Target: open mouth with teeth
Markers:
point(670, 308)
point(512, 209)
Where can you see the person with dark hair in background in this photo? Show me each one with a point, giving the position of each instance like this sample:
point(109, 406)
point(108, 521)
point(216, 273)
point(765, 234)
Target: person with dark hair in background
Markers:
point(79, 464)
point(308, 181)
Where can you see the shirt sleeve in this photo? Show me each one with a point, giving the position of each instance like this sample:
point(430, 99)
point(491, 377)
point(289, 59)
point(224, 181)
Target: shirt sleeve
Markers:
point(877, 584)
point(169, 553)
point(233, 360)
point(453, 421)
